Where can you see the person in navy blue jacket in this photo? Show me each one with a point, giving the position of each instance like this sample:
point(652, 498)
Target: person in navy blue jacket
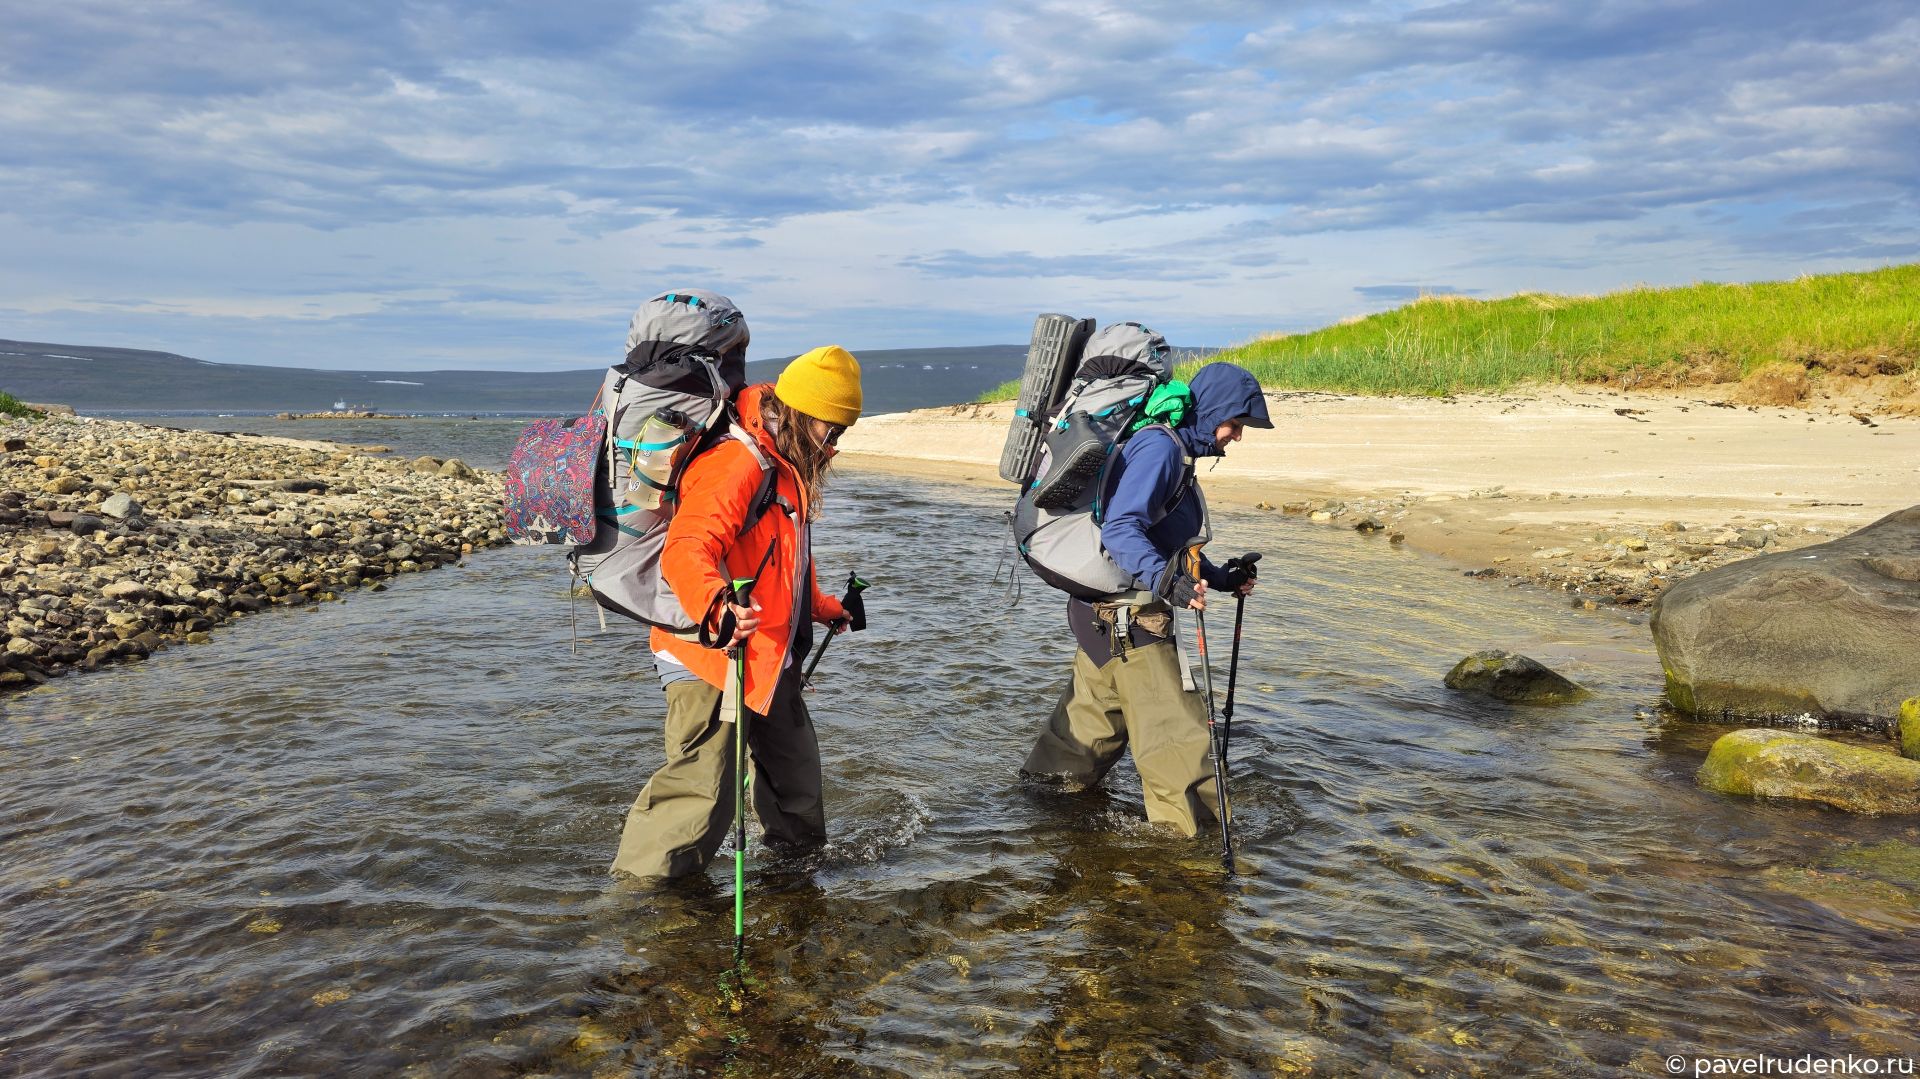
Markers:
point(1129, 685)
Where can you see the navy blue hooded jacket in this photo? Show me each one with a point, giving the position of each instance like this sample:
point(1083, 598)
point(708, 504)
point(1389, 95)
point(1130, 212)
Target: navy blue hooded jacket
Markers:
point(1151, 467)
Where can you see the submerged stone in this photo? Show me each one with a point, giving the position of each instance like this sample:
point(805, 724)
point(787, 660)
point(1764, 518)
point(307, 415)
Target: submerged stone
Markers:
point(1874, 884)
point(1803, 767)
point(1509, 677)
point(1894, 861)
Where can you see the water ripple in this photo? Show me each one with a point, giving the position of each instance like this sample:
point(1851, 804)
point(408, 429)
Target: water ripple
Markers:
point(371, 838)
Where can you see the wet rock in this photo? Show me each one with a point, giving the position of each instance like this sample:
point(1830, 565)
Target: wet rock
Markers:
point(1369, 523)
point(1804, 767)
point(1830, 630)
point(120, 505)
point(303, 486)
point(1509, 677)
point(127, 590)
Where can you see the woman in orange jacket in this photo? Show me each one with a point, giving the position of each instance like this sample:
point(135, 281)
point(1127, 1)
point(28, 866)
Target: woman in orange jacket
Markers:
point(729, 526)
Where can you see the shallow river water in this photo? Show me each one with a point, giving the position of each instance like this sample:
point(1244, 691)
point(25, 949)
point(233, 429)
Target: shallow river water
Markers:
point(371, 838)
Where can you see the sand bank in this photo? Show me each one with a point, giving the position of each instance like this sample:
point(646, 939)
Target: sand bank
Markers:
point(1578, 488)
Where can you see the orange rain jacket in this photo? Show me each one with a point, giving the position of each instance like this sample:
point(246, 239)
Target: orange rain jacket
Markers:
point(705, 552)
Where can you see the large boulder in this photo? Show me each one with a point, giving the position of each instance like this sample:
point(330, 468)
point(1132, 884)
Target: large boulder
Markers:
point(1510, 677)
point(1788, 764)
point(1830, 630)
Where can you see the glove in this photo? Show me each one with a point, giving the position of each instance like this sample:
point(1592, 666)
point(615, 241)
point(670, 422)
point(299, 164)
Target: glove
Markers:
point(1177, 588)
point(1238, 571)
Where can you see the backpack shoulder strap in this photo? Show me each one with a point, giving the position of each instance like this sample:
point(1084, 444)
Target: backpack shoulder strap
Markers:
point(767, 495)
point(1186, 468)
point(1179, 489)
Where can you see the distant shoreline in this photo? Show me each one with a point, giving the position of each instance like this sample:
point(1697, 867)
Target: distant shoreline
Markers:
point(349, 416)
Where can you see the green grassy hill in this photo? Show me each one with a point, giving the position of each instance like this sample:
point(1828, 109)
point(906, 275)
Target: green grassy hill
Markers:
point(1850, 323)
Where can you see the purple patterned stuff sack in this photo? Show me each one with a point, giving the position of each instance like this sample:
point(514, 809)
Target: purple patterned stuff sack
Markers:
point(550, 480)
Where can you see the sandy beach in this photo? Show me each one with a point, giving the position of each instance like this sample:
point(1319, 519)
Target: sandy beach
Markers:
point(1604, 493)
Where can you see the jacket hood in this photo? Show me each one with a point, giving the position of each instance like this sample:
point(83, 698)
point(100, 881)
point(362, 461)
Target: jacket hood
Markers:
point(746, 416)
point(1222, 392)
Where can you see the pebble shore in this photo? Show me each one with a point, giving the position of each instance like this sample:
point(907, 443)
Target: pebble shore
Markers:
point(1623, 566)
point(118, 540)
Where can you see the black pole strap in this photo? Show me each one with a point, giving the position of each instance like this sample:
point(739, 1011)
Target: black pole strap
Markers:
point(856, 608)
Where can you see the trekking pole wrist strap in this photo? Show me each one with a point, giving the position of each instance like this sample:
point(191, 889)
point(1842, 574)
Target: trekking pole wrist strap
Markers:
point(717, 625)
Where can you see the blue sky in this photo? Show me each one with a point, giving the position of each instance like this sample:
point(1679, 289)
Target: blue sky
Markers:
point(397, 185)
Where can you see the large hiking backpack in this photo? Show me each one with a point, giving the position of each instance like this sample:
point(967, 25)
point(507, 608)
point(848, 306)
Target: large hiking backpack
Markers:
point(1056, 523)
point(665, 404)
point(655, 411)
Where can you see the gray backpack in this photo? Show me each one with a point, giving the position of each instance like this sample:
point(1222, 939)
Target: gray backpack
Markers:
point(1056, 523)
point(664, 404)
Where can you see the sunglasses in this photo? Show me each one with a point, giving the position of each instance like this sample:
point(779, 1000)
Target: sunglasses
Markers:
point(834, 431)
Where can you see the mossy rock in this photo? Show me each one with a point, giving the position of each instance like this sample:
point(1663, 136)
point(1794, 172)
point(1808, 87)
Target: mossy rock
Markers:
point(1509, 677)
point(1910, 728)
point(1788, 764)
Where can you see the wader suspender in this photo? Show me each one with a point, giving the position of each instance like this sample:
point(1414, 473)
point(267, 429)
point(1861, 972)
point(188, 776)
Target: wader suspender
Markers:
point(1125, 601)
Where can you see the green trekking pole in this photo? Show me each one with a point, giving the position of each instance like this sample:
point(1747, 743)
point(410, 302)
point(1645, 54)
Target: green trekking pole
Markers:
point(856, 606)
point(742, 590)
point(1213, 732)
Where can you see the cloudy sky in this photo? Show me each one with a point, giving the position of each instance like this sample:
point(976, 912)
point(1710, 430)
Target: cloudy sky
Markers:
point(395, 185)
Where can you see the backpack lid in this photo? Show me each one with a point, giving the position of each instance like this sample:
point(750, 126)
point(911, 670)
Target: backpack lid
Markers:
point(1125, 345)
point(695, 317)
point(668, 365)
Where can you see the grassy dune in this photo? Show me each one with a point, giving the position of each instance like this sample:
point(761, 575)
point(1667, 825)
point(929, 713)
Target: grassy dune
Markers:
point(11, 406)
point(1851, 323)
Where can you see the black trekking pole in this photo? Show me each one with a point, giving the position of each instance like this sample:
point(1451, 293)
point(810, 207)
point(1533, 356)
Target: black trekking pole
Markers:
point(1245, 564)
point(1213, 732)
point(856, 606)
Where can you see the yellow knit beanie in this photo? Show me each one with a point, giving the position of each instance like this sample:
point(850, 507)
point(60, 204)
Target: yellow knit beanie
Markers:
point(824, 384)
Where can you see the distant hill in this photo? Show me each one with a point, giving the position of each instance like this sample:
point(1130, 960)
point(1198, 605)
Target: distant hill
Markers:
point(93, 378)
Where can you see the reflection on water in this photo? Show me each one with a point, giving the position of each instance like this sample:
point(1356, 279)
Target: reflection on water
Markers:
point(371, 837)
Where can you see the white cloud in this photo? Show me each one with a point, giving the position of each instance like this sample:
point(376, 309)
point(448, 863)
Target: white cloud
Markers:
point(493, 183)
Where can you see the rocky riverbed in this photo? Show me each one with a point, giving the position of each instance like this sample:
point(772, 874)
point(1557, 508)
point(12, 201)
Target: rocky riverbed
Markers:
point(118, 540)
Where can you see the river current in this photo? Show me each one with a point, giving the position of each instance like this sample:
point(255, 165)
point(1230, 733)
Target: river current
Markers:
point(371, 838)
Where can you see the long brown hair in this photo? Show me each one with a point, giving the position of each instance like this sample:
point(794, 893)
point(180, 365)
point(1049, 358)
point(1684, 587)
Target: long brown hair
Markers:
point(797, 442)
